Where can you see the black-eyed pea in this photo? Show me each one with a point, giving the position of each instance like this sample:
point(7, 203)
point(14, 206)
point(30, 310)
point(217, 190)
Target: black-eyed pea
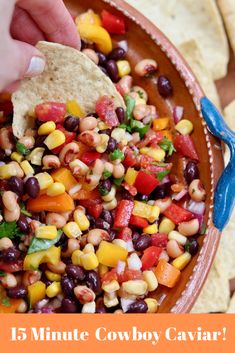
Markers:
point(197, 191)
point(88, 123)
point(9, 199)
point(12, 216)
point(91, 54)
point(55, 219)
point(118, 171)
point(189, 228)
point(174, 249)
point(146, 67)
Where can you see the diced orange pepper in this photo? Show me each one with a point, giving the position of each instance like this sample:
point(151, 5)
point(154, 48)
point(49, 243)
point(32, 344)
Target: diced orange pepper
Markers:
point(87, 195)
point(64, 176)
point(160, 124)
point(10, 306)
point(167, 134)
point(60, 203)
point(166, 274)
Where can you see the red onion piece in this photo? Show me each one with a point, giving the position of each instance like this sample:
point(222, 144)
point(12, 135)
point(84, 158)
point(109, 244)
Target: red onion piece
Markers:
point(165, 180)
point(179, 195)
point(123, 44)
point(178, 112)
point(120, 267)
point(197, 207)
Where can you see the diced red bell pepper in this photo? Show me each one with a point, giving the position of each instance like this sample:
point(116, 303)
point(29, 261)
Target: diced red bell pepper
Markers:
point(185, 146)
point(51, 111)
point(11, 267)
point(123, 213)
point(6, 107)
point(146, 183)
point(159, 239)
point(109, 276)
point(130, 158)
point(95, 210)
point(155, 169)
point(129, 275)
point(69, 137)
point(106, 110)
point(138, 222)
point(178, 214)
point(90, 156)
point(125, 234)
point(112, 23)
point(150, 257)
point(149, 138)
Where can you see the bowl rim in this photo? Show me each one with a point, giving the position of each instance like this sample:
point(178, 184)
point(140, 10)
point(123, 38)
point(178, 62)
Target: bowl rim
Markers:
point(211, 240)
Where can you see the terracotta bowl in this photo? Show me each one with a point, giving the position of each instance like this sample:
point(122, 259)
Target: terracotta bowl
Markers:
point(146, 41)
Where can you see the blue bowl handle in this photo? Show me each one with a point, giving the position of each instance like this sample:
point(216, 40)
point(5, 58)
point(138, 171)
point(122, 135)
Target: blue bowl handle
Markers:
point(224, 199)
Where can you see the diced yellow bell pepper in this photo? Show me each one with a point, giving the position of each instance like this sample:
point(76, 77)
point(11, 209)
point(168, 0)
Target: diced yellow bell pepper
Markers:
point(156, 153)
point(74, 109)
point(51, 255)
point(160, 124)
point(54, 277)
point(141, 209)
point(151, 229)
point(97, 35)
point(131, 176)
point(64, 176)
point(36, 292)
point(89, 17)
point(46, 232)
point(17, 157)
point(109, 254)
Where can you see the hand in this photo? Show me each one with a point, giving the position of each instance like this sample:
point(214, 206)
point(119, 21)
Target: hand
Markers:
point(23, 23)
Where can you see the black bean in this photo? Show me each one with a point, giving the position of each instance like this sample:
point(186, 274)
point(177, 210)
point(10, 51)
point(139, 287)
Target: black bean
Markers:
point(105, 186)
point(126, 195)
point(23, 224)
point(100, 307)
point(164, 86)
point(112, 70)
point(84, 45)
point(91, 219)
point(10, 255)
point(135, 236)
point(105, 131)
point(120, 114)
point(71, 123)
point(93, 281)
point(138, 307)
point(191, 172)
point(191, 246)
point(103, 69)
point(18, 292)
point(16, 185)
point(63, 241)
point(75, 272)
point(67, 285)
point(32, 187)
point(39, 141)
point(102, 224)
point(112, 235)
point(143, 198)
point(161, 192)
point(142, 243)
point(112, 144)
point(95, 115)
point(102, 58)
point(106, 216)
point(117, 54)
point(68, 306)
point(2, 154)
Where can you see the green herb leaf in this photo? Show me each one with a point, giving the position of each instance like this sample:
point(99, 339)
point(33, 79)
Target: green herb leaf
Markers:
point(106, 174)
point(6, 302)
point(43, 244)
point(21, 149)
point(118, 181)
point(116, 154)
point(102, 190)
point(167, 146)
point(9, 230)
point(159, 164)
point(130, 105)
point(24, 211)
point(161, 175)
point(2, 274)
point(141, 94)
point(139, 127)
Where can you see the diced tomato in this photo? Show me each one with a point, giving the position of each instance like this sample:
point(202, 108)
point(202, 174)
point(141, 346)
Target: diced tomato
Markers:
point(95, 210)
point(130, 158)
point(178, 214)
point(109, 276)
point(51, 111)
point(90, 156)
point(159, 239)
point(89, 203)
point(150, 137)
point(125, 234)
point(150, 257)
point(130, 188)
point(185, 146)
point(155, 169)
point(138, 222)
point(146, 183)
point(129, 275)
point(69, 137)
point(6, 107)
point(112, 23)
point(89, 195)
point(106, 110)
point(11, 267)
point(123, 213)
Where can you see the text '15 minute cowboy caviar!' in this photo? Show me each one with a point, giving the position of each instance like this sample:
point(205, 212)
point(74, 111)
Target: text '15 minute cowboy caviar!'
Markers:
point(93, 218)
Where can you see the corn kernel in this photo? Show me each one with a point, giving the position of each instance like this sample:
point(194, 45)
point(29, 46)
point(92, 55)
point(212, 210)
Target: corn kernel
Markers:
point(53, 289)
point(17, 157)
point(174, 235)
point(182, 261)
point(88, 248)
point(89, 308)
point(7, 171)
point(136, 287)
point(47, 128)
point(139, 100)
point(46, 232)
point(184, 127)
point(111, 286)
point(76, 257)
point(156, 153)
point(56, 189)
point(152, 229)
point(89, 261)
point(81, 219)
point(110, 300)
point(55, 139)
point(102, 125)
point(131, 176)
point(72, 230)
point(166, 226)
point(124, 68)
point(111, 205)
point(44, 180)
point(27, 168)
point(54, 277)
point(35, 157)
point(151, 280)
point(104, 139)
point(154, 214)
point(102, 269)
point(74, 109)
point(152, 305)
point(118, 134)
point(151, 213)
point(111, 195)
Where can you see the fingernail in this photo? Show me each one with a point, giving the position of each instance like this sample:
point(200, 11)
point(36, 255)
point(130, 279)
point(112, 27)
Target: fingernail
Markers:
point(36, 66)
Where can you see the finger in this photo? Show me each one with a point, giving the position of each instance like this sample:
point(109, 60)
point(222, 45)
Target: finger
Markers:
point(24, 28)
point(12, 87)
point(54, 20)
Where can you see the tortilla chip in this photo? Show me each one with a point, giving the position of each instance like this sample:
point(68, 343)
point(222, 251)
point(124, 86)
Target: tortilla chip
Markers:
point(231, 308)
point(68, 75)
point(227, 8)
point(192, 54)
point(189, 19)
point(229, 115)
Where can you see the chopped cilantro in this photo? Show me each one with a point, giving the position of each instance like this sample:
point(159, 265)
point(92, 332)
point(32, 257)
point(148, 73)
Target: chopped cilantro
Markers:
point(167, 146)
point(161, 175)
point(106, 174)
point(118, 181)
point(139, 127)
point(141, 94)
point(160, 164)
point(103, 191)
point(24, 211)
point(116, 154)
point(21, 149)
point(10, 230)
point(6, 302)
point(43, 244)
point(130, 105)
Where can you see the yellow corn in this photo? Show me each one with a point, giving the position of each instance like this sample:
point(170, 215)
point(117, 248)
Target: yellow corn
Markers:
point(74, 109)
point(102, 269)
point(124, 68)
point(111, 286)
point(152, 305)
point(151, 280)
point(36, 292)
point(131, 176)
point(182, 261)
point(89, 261)
point(72, 230)
point(27, 168)
point(76, 257)
point(184, 127)
point(7, 171)
point(166, 226)
point(35, 157)
point(104, 139)
point(56, 189)
point(151, 213)
point(44, 180)
point(174, 235)
point(17, 157)
point(152, 229)
point(47, 128)
point(55, 139)
point(102, 125)
point(53, 289)
point(46, 232)
point(160, 124)
point(88, 248)
point(156, 153)
point(54, 277)
point(81, 220)
point(136, 287)
point(110, 300)
point(51, 255)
